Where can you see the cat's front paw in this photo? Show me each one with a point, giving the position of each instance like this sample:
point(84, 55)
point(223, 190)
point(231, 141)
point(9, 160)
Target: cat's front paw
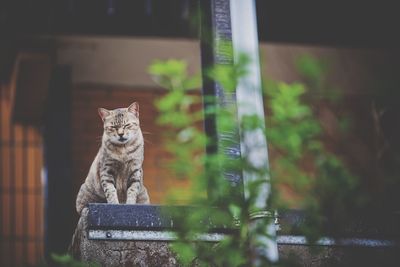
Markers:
point(113, 201)
point(131, 201)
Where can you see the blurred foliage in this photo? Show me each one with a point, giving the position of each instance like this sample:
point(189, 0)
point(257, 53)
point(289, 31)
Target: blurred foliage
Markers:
point(186, 144)
point(301, 163)
point(325, 188)
point(313, 71)
point(66, 260)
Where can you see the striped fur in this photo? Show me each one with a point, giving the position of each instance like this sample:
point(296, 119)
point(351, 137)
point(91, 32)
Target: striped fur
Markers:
point(116, 174)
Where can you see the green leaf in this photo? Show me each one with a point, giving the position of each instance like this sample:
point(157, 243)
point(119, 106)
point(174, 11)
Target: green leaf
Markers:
point(186, 253)
point(192, 82)
point(171, 68)
point(310, 67)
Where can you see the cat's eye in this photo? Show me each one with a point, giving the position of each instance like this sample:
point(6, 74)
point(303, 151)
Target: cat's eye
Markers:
point(129, 125)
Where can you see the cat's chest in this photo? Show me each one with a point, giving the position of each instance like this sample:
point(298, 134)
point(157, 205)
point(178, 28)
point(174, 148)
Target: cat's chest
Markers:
point(124, 165)
point(122, 162)
point(124, 156)
point(129, 154)
point(122, 175)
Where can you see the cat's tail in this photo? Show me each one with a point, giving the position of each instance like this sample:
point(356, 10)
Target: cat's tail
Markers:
point(74, 248)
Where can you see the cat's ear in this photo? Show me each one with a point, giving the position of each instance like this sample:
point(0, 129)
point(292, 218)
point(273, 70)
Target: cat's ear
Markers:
point(134, 108)
point(104, 113)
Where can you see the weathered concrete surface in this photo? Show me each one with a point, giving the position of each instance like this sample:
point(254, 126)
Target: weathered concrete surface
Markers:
point(118, 253)
point(143, 253)
point(336, 256)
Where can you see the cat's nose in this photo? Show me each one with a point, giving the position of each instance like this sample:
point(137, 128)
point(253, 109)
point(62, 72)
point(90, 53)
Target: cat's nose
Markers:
point(120, 132)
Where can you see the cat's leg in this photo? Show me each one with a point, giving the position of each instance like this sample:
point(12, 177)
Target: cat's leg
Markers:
point(110, 192)
point(132, 193)
point(143, 197)
point(134, 187)
point(108, 184)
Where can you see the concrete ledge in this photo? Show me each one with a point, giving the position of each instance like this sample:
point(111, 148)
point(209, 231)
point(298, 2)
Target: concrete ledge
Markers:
point(138, 235)
point(145, 217)
point(118, 252)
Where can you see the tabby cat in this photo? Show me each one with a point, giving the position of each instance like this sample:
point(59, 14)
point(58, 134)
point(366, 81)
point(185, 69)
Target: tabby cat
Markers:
point(116, 174)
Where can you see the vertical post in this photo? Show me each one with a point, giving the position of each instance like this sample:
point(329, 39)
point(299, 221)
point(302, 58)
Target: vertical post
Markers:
point(57, 125)
point(250, 103)
point(215, 36)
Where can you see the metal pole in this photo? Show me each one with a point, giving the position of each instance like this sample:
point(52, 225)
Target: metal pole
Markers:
point(215, 31)
point(250, 102)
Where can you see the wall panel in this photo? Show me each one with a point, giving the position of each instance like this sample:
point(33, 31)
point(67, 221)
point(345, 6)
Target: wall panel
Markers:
point(21, 189)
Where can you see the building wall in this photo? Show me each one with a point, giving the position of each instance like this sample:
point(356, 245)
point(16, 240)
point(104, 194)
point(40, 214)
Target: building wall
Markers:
point(110, 73)
point(118, 67)
point(122, 61)
point(21, 189)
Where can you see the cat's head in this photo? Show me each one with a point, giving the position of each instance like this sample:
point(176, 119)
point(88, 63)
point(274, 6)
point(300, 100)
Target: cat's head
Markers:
point(121, 125)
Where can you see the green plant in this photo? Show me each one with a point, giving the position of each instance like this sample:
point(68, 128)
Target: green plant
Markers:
point(66, 260)
point(186, 143)
point(322, 184)
point(294, 135)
